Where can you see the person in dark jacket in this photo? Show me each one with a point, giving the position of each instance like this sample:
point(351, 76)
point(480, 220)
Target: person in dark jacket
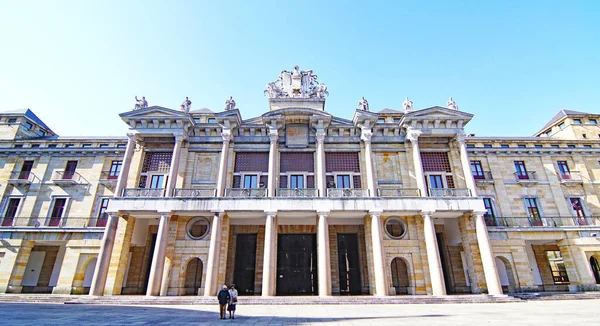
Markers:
point(223, 296)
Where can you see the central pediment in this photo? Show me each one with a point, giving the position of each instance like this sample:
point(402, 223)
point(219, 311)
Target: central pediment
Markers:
point(436, 117)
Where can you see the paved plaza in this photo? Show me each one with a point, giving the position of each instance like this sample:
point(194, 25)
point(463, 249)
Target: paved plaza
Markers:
point(575, 312)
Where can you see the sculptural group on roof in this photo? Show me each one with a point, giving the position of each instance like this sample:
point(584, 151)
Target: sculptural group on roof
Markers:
point(296, 84)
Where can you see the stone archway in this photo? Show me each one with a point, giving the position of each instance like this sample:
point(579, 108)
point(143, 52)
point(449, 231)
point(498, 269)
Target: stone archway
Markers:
point(400, 276)
point(595, 264)
point(193, 276)
point(506, 274)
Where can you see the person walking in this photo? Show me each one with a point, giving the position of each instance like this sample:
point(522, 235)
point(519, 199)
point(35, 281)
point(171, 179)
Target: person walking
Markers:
point(233, 294)
point(223, 297)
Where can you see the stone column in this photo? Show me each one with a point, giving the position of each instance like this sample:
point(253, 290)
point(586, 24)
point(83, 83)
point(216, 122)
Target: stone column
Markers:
point(158, 258)
point(378, 254)
point(436, 274)
point(222, 177)
point(487, 256)
point(174, 169)
point(324, 260)
point(366, 135)
point(103, 262)
point(270, 252)
point(124, 174)
point(320, 172)
point(413, 136)
point(210, 287)
point(466, 164)
point(272, 178)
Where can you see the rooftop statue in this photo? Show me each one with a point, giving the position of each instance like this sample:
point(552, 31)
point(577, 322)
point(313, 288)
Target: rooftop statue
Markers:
point(141, 103)
point(296, 84)
point(363, 104)
point(407, 105)
point(451, 104)
point(186, 105)
point(230, 104)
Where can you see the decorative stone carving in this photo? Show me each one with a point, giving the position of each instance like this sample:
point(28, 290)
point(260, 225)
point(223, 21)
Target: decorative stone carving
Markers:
point(451, 104)
point(140, 103)
point(407, 105)
point(230, 104)
point(186, 106)
point(363, 104)
point(296, 84)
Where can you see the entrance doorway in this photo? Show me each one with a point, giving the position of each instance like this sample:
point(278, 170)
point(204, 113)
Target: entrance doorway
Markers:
point(193, 277)
point(595, 269)
point(349, 263)
point(297, 264)
point(400, 279)
point(245, 263)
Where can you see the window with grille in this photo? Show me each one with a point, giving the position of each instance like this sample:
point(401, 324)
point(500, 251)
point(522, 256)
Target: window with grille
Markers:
point(251, 161)
point(435, 162)
point(157, 162)
point(342, 162)
point(296, 162)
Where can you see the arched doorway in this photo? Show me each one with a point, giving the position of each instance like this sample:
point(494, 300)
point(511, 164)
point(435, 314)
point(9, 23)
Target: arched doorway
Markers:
point(193, 276)
point(506, 275)
point(400, 279)
point(595, 269)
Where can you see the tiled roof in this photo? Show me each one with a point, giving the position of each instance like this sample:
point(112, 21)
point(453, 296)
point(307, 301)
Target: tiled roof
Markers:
point(29, 114)
point(561, 114)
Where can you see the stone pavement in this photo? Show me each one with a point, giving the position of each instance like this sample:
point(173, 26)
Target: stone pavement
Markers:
point(578, 312)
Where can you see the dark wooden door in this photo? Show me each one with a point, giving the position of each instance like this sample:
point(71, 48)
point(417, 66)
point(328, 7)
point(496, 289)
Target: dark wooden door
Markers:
point(349, 263)
point(245, 263)
point(297, 264)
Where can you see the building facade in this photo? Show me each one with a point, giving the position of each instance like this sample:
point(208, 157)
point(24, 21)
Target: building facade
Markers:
point(299, 202)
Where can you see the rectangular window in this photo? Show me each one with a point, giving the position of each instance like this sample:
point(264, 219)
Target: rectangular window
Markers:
point(52, 146)
point(563, 169)
point(28, 125)
point(593, 121)
point(250, 181)
point(12, 120)
point(548, 133)
point(296, 181)
point(435, 181)
point(487, 145)
point(102, 215)
point(41, 133)
point(381, 120)
point(587, 146)
point(503, 145)
point(115, 169)
point(343, 181)
point(539, 146)
point(157, 181)
point(70, 170)
point(554, 146)
point(103, 145)
point(11, 211)
point(121, 145)
point(69, 145)
point(196, 120)
point(570, 146)
point(86, 145)
point(58, 209)
point(212, 120)
point(396, 120)
point(35, 145)
point(470, 146)
point(477, 170)
point(561, 125)
point(533, 212)
point(521, 170)
point(489, 215)
point(521, 146)
point(557, 266)
point(584, 136)
point(25, 170)
point(19, 146)
point(577, 121)
point(577, 207)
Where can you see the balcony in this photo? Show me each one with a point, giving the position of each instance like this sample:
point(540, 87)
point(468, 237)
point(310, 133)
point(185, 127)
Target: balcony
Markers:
point(22, 178)
point(483, 179)
point(143, 192)
point(571, 178)
point(108, 180)
point(67, 178)
point(543, 222)
point(347, 192)
point(246, 192)
point(25, 222)
point(399, 192)
point(449, 192)
point(194, 193)
point(526, 179)
point(297, 192)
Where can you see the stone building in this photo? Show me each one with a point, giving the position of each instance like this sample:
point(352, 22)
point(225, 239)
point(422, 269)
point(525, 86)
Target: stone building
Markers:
point(297, 201)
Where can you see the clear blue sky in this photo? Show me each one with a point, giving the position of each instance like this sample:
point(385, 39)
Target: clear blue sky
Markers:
point(514, 64)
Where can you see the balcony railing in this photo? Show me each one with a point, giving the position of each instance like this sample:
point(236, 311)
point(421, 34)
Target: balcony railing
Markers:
point(572, 177)
point(22, 178)
point(246, 192)
point(449, 192)
point(543, 221)
point(527, 176)
point(399, 192)
point(67, 178)
point(143, 192)
point(194, 193)
point(483, 176)
point(347, 192)
point(297, 192)
point(108, 179)
point(51, 222)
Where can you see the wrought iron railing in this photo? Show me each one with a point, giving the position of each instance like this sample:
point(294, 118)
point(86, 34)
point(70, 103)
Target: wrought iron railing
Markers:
point(483, 176)
point(68, 176)
point(192, 193)
point(297, 192)
point(449, 192)
point(399, 192)
point(108, 175)
point(52, 222)
point(246, 192)
point(347, 192)
point(143, 192)
point(571, 176)
point(526, 176)
point(23, 176)
point(543, 221)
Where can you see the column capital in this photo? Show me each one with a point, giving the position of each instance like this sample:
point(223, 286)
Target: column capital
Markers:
point(271, 213)
point(165, 214)
point(179, 136)
point(133, 135)
point(273, 137)
point(226, 134)
point(320, 135)
point(476, 213)
point(460, 138)
point(323, 213)
point(413, 135)
point(366, 134)
point(376, 213)
point(427, 213)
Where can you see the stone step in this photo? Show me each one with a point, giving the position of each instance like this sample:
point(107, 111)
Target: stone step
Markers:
point(557, 296)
